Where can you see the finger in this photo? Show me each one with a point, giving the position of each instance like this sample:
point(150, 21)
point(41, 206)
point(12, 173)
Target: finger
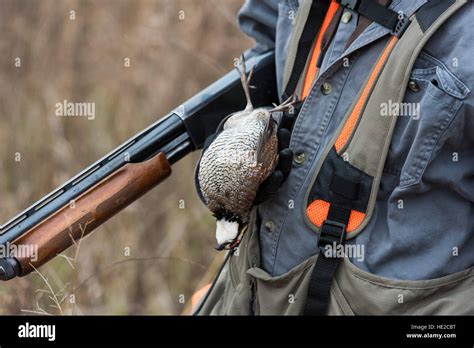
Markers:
point(285, 161)
point(269, 187)
point(273, 182)
point(284, 136)
point(286, 120)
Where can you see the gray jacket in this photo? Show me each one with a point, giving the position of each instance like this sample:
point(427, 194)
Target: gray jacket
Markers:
point(423, 222)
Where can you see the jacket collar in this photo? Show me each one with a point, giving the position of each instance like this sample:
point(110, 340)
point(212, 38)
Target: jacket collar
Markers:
point(375, 31)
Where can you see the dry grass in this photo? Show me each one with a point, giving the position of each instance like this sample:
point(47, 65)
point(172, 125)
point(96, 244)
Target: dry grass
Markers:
point(83, 60)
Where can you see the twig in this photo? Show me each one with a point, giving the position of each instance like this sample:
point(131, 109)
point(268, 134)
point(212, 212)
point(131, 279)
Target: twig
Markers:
point(54, 299)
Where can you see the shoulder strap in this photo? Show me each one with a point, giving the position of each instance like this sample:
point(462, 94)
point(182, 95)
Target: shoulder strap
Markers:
point(366, 146)
point(371, 9)
point(308, 22)
point(345, 187)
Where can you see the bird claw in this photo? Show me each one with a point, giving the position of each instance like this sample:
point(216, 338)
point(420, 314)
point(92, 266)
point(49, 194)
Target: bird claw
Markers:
point(286, 105)
point(245, 79)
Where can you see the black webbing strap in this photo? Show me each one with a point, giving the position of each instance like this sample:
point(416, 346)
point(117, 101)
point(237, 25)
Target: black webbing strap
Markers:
point(371, 9)
point(325, 268)
point(430, 12)
point(333, 233)
point(313, 24)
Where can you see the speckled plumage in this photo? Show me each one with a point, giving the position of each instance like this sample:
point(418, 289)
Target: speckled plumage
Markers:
point(236, 163)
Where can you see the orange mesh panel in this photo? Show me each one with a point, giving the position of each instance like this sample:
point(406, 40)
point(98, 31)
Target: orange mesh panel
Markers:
point(312, 69)
point(354, 116)
point(318, 210)
point(355, 219)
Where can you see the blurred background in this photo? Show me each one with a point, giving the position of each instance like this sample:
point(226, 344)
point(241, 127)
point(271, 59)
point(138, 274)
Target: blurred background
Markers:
point(151, 257)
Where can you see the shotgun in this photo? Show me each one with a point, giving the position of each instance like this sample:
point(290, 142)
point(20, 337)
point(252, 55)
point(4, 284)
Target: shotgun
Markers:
point(107, 186)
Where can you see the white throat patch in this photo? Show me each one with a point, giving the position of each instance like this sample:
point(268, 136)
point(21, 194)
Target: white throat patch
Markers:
point(226, 231)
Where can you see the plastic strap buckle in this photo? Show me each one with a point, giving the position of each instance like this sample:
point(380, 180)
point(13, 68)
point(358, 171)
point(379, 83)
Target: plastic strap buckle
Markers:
point(331, 232)
point(401, 25)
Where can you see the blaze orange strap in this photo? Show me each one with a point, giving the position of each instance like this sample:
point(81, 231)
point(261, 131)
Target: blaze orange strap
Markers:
point(359, 106)
point(318, 210)
point(312, 68)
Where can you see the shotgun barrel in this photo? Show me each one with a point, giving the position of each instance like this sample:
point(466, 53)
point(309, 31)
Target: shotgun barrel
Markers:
point(90, 198)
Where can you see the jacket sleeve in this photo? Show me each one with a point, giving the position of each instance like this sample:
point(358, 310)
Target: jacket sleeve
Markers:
point(258, 19)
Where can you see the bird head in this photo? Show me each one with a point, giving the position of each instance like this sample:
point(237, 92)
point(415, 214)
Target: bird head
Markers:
point(227, 228)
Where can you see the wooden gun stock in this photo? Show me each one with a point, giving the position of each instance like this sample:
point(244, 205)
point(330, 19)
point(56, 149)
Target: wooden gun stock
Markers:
point(91, 209)
point(111, 183)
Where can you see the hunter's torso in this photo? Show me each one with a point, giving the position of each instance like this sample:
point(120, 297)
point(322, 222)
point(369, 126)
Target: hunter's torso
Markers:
point(423, 222)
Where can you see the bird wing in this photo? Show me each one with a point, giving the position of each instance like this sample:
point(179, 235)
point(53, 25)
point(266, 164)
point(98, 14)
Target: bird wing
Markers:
point(267, 132)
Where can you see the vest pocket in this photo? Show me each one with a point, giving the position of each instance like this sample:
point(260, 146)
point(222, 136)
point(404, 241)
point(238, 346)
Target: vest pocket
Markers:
point(284, 294)
point(369, 294)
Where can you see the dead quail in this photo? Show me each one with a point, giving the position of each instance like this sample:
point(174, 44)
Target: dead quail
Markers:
point(242, 155)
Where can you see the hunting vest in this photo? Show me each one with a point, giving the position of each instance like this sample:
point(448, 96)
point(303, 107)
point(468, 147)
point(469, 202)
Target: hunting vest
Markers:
point(343, 190)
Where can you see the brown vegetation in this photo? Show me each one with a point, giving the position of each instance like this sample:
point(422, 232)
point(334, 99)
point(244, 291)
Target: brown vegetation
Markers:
point(83, 60)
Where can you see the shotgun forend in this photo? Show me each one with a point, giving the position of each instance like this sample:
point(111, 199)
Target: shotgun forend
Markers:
point(113, 182)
